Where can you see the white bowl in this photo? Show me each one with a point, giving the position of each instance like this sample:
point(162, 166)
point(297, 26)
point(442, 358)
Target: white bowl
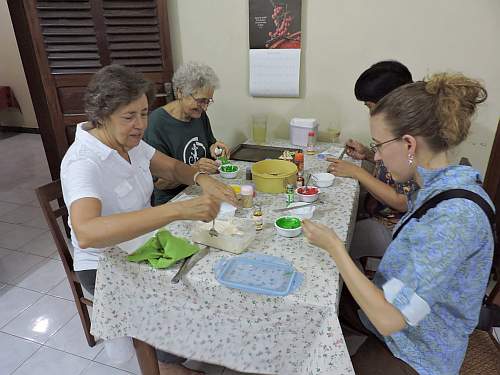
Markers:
point(302, 212)
point(323, 179)
point(229, 174)
point(287, 232)
point(307, 197)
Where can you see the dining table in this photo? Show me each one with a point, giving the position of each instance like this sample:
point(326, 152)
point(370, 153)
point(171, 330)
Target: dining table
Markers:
point(203, 320)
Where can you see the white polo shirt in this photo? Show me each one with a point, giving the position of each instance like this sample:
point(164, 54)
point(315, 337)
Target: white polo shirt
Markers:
point(90, 169)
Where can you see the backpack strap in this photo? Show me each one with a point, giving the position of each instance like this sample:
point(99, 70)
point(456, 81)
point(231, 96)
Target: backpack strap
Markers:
point(451, 194)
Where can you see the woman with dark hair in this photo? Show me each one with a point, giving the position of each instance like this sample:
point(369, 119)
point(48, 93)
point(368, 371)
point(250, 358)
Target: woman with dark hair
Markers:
point(106, 175)
point(425, 298)
point(386, 200)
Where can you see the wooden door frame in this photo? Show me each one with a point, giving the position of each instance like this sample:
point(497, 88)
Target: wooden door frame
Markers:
point(43, 85)
point(39, 79)
point(492, 177)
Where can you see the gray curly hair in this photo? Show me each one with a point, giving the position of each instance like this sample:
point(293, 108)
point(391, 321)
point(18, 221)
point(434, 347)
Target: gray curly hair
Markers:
point(112, 87)
point(192, 76)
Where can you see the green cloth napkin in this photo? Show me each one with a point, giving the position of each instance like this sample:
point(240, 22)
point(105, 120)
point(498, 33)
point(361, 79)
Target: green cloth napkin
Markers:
point(163, 250)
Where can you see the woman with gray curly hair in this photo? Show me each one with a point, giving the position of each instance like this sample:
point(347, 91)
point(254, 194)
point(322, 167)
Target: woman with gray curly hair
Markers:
point(106, 177)
point(181, 129)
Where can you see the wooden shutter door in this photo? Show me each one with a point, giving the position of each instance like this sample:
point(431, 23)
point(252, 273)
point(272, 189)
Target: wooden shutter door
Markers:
point(62, 43)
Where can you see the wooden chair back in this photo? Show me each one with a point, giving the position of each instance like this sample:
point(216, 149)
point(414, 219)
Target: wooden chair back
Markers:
point(47, 194)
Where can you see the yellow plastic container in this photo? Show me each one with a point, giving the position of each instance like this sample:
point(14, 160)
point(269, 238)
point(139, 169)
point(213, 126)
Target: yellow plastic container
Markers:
point(272, 176)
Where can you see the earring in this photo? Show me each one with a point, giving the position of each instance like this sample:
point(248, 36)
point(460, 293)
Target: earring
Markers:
point(411, 159)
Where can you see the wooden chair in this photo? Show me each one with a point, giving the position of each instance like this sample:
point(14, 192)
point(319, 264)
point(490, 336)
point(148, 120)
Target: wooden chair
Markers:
point(47, 194)
point(483, 352)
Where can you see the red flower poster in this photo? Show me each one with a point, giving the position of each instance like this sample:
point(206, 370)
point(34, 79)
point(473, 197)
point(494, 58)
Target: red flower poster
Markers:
point(275, 24)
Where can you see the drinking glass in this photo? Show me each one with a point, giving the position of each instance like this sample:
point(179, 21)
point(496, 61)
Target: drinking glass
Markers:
point(334, 132)
point(259, 129)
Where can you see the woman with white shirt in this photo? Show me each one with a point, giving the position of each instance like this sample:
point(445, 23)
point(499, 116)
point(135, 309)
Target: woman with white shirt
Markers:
point(106, 174)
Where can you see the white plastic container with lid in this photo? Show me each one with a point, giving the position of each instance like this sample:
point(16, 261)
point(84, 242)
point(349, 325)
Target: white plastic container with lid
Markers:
point(299, 129)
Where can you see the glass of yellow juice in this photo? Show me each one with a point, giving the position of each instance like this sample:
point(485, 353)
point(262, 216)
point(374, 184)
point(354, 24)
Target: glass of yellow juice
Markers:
point(259, 129)
point(334, 132)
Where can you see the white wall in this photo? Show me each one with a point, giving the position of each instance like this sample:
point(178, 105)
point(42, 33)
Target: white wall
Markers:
point(11, 70)
point(341, 38)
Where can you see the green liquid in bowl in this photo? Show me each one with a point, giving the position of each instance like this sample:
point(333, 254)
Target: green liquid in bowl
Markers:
point(288, 223)
point(229, 168)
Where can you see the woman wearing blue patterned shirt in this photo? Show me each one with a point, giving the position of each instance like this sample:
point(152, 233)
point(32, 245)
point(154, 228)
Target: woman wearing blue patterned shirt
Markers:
point(425, 298)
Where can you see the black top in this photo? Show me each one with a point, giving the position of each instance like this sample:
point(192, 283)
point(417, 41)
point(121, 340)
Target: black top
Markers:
point(187, 141)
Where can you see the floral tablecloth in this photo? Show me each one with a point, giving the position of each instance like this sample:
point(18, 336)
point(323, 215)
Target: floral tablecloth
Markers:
point(206, 321)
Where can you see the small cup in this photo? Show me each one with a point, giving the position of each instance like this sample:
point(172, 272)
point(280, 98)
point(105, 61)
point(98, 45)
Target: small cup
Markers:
point(323, 179)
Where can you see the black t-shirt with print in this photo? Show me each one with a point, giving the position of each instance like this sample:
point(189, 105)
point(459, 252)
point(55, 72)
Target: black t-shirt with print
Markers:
point(185, 141)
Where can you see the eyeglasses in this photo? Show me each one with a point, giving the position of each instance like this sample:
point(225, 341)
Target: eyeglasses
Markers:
point(375, 147)
point(202, 102)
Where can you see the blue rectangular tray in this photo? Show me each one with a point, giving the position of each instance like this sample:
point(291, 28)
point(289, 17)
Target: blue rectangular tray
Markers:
point(256, 276)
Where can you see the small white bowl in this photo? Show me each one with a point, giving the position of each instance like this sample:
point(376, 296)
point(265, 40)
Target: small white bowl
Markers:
point(302, 212)
point(287, 232)
point(229, 174)
point(309, 198)
point(323, 179)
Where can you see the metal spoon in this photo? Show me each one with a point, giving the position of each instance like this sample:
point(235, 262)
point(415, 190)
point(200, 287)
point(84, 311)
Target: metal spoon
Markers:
point(213, 232)
point(307, 181)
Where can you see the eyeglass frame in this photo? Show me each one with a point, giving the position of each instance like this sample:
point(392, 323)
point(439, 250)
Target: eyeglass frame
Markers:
point(375, 147)
point(202, 102)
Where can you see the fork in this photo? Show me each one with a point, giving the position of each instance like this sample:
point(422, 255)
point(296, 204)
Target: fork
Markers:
point(213, 232)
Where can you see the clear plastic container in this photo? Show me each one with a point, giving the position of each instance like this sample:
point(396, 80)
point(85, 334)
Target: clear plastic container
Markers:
point(258, 273)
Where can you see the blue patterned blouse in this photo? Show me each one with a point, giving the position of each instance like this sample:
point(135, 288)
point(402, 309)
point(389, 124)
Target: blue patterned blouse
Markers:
point(436, 271)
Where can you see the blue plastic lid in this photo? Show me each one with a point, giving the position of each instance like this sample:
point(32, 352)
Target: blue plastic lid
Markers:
point(258, 273)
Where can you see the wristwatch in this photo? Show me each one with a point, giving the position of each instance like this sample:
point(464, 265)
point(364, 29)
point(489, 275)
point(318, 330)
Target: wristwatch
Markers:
point(195, 177)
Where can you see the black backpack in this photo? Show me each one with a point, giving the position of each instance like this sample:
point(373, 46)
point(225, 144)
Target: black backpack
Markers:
point(490, 313)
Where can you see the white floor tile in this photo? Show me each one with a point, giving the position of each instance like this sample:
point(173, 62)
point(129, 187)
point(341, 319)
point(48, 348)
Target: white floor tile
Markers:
point(51, 361)
point(14, 351)
point(5, 252)
point(16, 195)
point(13, 236)
point(43, 246)
point(71, 338)
point(6, 207)
point(22, 215)
point(131, 365)
point(14, 265)
point(62, 290)
point(15, 300)
point(42, 277)
point(55, 255)
point(100, 369)
point(42, 319)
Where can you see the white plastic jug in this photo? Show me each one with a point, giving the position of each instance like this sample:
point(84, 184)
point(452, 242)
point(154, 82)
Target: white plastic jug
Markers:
point(119, 350)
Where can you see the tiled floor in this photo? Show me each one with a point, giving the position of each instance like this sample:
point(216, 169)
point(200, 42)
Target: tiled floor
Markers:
point(40, 331)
